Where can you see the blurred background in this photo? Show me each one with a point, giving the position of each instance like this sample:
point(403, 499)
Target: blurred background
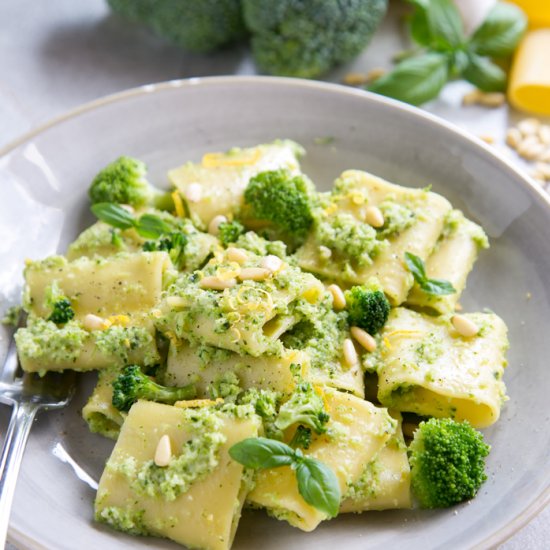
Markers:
point(489, 75)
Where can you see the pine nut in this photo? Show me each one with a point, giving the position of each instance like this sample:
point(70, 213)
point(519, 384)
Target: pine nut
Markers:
point(163, 452)
point(544, 134)
point(471, 98)
point(513, 137)
point(214, 225)
point(375, 74)
point(464, 326)
point(193, 193)
point(492, 99)
point(543, 168)
point(530, 148)
point(355, 79)
point(325, 253)
point(529, 126)
point(338, 297)
point(215, 283)
point(236, 255)
point(176, 301)
point(272, 263)
point(374, 216)
point(254, 274)
point(93, 322)
point(487, 139)
point(350, 355)
point(363, 338)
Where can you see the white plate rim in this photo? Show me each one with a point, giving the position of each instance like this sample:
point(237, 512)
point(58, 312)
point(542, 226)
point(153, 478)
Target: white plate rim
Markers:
point(20, 539)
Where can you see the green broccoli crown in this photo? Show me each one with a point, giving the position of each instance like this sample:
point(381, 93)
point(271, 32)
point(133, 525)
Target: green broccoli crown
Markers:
point(173, 243)
point(132, 384)
point(301, 438)
point(367, 309)
point(229, 232)
point(305, 39)
point(199, 26)
point(122, 182)
point(62, 312)
point(447, 462)
point(305, 407)
point(284, 200)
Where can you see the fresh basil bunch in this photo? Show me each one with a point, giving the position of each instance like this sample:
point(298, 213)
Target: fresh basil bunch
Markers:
point(436, 26)
point(317, 483)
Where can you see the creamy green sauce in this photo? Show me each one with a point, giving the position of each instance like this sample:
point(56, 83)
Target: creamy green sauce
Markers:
point(123, 519)
point(354, 240)
point(430, 348)
point(120, 341)
point(397, 218)
point(42, 340)
point(262, 247)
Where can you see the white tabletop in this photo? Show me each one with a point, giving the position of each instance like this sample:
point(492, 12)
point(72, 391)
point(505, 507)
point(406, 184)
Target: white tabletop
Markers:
point(58, 54)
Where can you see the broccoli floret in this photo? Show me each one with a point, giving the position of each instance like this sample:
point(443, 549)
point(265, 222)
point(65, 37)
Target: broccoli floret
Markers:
point(173, 243)
point(200, 26)
point(301, 438)
point(283, 200)
point(305, 407)
point(229, 232)
point(132, 384)
point(447, 462)
point(305, 39)
point(123, 181)
point(368, 308)
point(62, 312)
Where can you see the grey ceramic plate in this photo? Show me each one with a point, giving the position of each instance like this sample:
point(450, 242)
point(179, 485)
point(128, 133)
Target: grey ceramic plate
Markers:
point(43, 181)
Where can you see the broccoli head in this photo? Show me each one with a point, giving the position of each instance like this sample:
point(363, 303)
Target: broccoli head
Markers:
point(447, 462)
point(62, 312)
point(305, 407)
point(173, 243)
point(368, 308)
point(283, 200)
point(306, 39)
point(132, 384)
point(123, 181)
point(199, 26)
point(229, 232)
point(301, 438)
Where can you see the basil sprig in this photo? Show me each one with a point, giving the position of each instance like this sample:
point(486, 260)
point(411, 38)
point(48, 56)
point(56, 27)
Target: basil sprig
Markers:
point(148, 226)
point(446, 52)
point(317, 483)
point(436, 287)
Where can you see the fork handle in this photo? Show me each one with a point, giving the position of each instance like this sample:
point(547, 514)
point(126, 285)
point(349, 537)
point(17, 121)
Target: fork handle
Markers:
point(20, 425)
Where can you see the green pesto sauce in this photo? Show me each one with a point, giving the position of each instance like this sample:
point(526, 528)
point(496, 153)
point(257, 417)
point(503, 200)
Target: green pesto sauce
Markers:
point(262, 247)
point(119, 341)
point(430, 348)
point(397, 218)
point(321, 333)
point(197, 458)
point(349, 237)
point(98, 239)
point(455, 221)
point(42, 340)
point(368, 484)
point(127, 520)
point(11, 317)
point(227, 386)
point(100, 424)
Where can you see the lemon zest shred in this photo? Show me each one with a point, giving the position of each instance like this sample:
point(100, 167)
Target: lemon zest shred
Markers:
point(178, 204)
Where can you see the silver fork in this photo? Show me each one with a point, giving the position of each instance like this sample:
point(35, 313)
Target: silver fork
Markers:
point(27, 394)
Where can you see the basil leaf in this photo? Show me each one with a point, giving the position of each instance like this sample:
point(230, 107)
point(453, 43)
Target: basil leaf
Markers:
point(437, 287)
point(151, 226)
point(484, 74)
point(415, 80)
point(429, 286)
point(260, 452)
point(419, 27)
point(501, 31)
point(318, 486)
point(445, 24)
point(416, 267)
point(113, 214)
